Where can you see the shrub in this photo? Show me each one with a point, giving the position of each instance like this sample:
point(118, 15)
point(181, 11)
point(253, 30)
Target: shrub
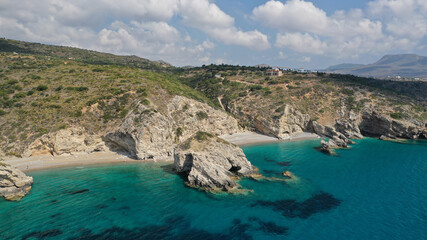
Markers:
point(123, 113)
point(2, 113)
point(203, 136)
point(20, 95)
point(255, 87)
point(41, 88)
point(145, 101)
point(81, 89)
point(201, 115)
point(31, 92)
point(397, 115)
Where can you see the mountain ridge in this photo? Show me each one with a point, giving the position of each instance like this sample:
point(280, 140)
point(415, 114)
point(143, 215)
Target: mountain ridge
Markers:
point(392, 65)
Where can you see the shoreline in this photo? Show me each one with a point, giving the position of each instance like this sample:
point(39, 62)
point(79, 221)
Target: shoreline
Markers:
point(252, 138)
point(45, 162)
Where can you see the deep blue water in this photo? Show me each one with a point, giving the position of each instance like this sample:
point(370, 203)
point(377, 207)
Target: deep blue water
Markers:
point(376, 190)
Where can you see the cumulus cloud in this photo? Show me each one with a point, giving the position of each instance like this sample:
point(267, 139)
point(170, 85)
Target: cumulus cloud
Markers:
point(126, 27)
point(210, 19)
point(304, 43)
point(385, 25)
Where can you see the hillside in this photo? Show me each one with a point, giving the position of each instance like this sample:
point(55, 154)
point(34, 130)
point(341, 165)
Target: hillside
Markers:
point(42, 94)
point(279, 106)
point(53, 103)
point(404, 65)
point(79, 55)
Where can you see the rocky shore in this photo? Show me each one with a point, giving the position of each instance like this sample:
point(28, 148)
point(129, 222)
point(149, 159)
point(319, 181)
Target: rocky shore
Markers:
point(173, 131)
point(14, 184)
point(210, 163)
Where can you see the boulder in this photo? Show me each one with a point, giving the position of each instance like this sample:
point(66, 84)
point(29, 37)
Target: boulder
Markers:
point(210, 163)
point(14, 184)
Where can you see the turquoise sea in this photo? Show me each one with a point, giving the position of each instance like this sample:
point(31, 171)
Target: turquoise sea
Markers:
point(376, 190)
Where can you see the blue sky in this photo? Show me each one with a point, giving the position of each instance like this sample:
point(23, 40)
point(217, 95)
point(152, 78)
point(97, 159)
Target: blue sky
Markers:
point(294, 33)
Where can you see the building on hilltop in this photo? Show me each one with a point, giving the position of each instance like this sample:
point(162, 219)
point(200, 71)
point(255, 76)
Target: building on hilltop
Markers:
point(274, 72)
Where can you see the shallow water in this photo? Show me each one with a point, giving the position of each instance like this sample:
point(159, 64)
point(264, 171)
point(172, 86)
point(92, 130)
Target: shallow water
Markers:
point(376, 190)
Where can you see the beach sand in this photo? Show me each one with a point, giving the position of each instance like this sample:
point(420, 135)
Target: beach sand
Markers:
point(250, 138)
point(79, 159)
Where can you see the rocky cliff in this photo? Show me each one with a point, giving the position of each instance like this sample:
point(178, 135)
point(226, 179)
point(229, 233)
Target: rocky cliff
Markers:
point(210, 163)
point(65, 141)
point(14, 184)
point(377, 124)
point(148, 133)
point(286, 123)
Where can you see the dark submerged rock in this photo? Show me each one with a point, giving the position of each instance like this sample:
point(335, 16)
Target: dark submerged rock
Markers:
point(291, 208)
point(79, 191)
point(43, 234)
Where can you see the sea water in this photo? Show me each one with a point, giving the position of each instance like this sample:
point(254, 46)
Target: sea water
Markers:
point(375, 190)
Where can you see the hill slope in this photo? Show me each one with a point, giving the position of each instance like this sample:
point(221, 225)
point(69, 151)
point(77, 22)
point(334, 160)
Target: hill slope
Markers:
point(48, 98)
point(404, 65)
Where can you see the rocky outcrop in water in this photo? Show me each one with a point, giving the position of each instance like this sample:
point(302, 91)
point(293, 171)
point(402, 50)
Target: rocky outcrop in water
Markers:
point(65, 141)
point(14, 184)
point(210, 163)
point(338, 139)
point(147, 133)
point(376, 124)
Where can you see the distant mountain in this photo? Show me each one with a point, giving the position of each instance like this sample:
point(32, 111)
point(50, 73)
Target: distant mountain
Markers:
point(404, 65)
point(343, 66)
point(262, 66)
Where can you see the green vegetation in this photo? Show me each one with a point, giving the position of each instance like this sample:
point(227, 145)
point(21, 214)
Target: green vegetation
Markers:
point(397, 115)
point(203, 136)
point(46, 88)
point(201, 115)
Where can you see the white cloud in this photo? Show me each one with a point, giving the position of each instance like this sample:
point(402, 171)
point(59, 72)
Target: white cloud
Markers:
point(404, 18)
point(138, 26)
point(209, 18)
point(293, 16)
point(304, 43)
point(386, 25)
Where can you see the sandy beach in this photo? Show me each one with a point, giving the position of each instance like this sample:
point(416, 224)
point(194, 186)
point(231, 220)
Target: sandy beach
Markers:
point(250, 138)
point(79, 159)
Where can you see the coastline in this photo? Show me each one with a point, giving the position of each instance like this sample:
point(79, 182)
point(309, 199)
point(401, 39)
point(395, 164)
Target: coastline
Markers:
point(43, 162)
point(252, 138)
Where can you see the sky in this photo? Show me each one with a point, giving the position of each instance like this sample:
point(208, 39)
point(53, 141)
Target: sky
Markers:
point(294, 33)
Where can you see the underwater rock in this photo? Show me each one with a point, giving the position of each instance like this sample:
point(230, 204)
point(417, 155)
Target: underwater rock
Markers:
point(43, 234)
point(291, 208)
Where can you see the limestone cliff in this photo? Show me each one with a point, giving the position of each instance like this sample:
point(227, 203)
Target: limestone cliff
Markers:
point(286, 123)
point(65, 141)
point(14, 184)
point(210, 163)
point(376, 124)
point(147, 133)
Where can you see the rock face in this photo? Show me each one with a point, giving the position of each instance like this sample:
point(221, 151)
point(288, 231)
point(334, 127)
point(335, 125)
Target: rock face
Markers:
point(211, 163)
point(349, 126)
point(338, 139)
point(65, 141)
point(14, 184)
point(377, 124)
point(289, 122)
point(150, 134)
